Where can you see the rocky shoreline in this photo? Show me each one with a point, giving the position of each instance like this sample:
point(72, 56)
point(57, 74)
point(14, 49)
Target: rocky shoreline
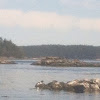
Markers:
point(63, 62)
point(6, 62)
point(77, 86)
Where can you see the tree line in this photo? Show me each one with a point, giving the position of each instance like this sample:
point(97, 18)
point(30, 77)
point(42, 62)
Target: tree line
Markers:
point(9, 49)
point(69, 51)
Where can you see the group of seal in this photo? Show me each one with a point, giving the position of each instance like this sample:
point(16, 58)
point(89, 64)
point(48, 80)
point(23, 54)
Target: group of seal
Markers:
point(78, 86)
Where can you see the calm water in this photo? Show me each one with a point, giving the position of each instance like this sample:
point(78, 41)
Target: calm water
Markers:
point(17, 82)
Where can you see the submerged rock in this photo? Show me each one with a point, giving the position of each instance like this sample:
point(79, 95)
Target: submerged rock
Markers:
point(77, 86)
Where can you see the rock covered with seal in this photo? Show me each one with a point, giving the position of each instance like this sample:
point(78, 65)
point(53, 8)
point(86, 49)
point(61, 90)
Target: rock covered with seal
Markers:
point(77, 86)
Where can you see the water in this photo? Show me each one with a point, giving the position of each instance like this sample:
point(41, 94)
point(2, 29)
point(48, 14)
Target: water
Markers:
point(17, 81)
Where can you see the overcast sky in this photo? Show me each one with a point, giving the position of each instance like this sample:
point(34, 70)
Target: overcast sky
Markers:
point(35, 22)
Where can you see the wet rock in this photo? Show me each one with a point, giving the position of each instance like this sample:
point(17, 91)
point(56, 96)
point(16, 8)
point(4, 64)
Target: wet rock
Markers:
point(79, 88)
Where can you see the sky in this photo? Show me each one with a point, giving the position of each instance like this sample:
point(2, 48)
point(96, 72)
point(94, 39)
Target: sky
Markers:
point(37, 22)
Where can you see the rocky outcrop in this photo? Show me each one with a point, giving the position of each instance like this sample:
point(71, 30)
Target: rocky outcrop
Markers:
point(6, 62)
point(77, 86)
point(56, 61)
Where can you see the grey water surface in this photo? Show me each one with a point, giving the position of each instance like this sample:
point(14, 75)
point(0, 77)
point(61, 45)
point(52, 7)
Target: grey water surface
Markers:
point(17, 81)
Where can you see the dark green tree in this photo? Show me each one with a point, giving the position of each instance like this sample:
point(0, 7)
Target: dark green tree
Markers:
point(9, 49)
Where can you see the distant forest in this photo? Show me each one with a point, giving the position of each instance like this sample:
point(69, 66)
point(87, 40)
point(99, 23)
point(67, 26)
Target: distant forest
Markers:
point(70, 51)
point(9, 49)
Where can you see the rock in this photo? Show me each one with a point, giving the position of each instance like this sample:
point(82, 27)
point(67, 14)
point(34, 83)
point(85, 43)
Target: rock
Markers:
point(77, 86)
point(68, 87)
point(7, 62)
point(56, 61)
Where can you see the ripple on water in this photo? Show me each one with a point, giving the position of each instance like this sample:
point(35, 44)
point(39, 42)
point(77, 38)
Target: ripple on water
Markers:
point(17, 82)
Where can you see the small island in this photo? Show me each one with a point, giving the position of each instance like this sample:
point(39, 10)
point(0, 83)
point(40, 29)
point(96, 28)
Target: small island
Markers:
point(63, 62)
point(77, 86)
point(7, 62)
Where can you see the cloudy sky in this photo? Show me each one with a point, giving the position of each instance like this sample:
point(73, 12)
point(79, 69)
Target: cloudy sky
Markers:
point(35, 22)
